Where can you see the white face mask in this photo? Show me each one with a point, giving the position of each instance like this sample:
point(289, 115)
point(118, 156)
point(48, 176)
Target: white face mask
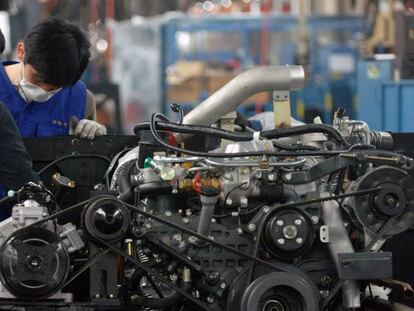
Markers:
point(31, 92)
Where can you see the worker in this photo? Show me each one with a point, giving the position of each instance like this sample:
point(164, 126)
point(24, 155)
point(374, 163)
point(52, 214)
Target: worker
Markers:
point(42, 91)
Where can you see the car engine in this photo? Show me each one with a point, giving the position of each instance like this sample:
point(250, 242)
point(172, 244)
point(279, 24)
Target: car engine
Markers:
point(288, 219)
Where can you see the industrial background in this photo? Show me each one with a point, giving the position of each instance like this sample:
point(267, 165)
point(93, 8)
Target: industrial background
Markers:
point(186, 50)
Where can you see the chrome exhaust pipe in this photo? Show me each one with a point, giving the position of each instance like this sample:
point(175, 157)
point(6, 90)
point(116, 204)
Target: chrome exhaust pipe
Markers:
point(246, 84)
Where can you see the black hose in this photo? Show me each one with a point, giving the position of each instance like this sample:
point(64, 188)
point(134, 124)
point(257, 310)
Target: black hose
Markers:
point(294, 147)
point(161, 187)
point(196, 130)
point(124, 183)
point(306, 129)
point(243, 136)
point(231, 155)
point(382, 140)
point(310, 128)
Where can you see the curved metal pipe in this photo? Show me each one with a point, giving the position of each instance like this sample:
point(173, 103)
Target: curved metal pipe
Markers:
point(246, 84)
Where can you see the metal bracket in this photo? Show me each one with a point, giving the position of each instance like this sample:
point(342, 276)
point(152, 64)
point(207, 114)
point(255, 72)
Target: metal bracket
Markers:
point(281, 109)
point(324, 234)
point(318, 171)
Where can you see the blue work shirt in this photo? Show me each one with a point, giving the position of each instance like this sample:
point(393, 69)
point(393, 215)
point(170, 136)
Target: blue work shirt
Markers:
point(43, 119)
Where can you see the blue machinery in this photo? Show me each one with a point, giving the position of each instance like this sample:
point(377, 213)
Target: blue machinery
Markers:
point(332, 43)
point(384, 104)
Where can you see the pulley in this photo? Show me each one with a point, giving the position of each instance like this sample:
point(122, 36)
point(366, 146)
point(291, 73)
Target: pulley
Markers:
point(394, 199)
point(34, 264)
point(106, 218)
point(281, 291)
point(288, 233)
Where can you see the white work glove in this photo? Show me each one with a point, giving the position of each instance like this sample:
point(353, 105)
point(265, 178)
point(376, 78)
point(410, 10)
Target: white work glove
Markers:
point(86, 128)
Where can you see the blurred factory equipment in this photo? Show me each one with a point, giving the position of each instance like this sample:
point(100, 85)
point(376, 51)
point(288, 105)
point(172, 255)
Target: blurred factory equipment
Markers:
point(384, 81)
point(218, 47)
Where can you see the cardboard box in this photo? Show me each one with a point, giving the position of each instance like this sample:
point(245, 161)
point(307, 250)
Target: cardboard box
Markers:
point(185, 81)
point(188, 91)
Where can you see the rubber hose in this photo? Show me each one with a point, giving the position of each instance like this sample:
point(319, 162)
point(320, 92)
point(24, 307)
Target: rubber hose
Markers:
point(197, 130)
point(154, 188)
point(124, 183)
point(306, 129)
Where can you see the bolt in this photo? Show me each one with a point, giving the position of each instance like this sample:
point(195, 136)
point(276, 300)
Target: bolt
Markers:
point(213, 220)
point(213, 278)
point(326, 280)
point(280, 222)
point(298, 222)
point(239, 231)
point(177, 238)
point(174, 191)
point(186, 220)
point(97, 296)
point(148, 225)
point(266, 209)
point(299, 240)
point(111, 296)
point(192, 239)
point(315, 219)
point(244, 202)
point(244, 171)
point(271, 177)
point(75, 142)
point(168, 213)
point(223, 285)
point(196, 294)
point(229, 201)
point(281, 241)
point(288, 176)
point(290, 232)
point(210, 299)
point(252, 227)
point(188, 212)
point(173, 277)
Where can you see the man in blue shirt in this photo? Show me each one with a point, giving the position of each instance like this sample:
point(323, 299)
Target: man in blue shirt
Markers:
point(43, 91)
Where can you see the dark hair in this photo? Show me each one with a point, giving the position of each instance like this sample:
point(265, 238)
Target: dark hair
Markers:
point(58, 51)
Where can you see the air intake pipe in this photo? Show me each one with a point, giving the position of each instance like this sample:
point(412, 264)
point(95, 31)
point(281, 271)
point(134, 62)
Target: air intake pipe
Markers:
point(246, 84)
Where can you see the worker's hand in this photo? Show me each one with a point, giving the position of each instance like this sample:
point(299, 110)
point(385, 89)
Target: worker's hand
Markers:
point(86, 128)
